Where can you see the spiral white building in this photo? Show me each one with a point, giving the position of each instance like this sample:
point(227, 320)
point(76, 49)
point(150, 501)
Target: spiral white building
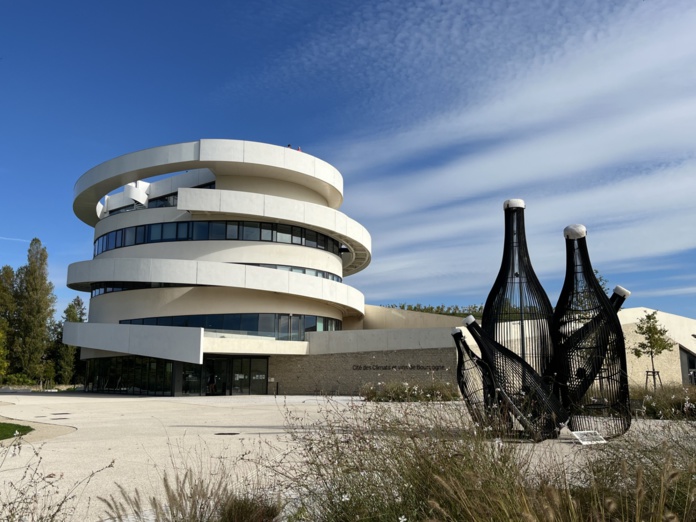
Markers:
point(228, 254)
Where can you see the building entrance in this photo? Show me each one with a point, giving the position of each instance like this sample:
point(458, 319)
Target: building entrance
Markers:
point(233, 375)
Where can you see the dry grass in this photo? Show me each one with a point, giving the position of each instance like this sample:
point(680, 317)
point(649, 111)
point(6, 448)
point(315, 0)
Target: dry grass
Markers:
point(427, 461)
point(200, 486)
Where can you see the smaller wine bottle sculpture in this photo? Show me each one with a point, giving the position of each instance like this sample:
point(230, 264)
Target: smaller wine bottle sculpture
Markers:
point(517, 312)
point(522, 392)
point(589, 363)
point(474, 379)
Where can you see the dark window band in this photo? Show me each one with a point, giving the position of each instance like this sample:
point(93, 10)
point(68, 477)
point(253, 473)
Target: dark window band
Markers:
point(284, 327)
point(107, 287)
point(214, 231)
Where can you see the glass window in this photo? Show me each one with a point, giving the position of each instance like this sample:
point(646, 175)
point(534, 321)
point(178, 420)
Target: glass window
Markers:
point(200, 230)
point(295, 328)
point(150, 321)
point(154, 232)
point(214, 321)
point(311, 272)
point(182, 230)
point(310, 323)
point(284, 234)
point(111, 241)
point(129, 237)
point(119, 238)
point(140, 235)
point(217, 230)
point(283, 327)
point(232, 230)
point(196, 321)
point(320, 324)
point(232, 322)
point(266, 232)
point(311, 238)
point(251, 231)
point(164, 321)
point(296, 235)
point(180, 320)
point(250, 323)
point(169, 232)
point(267, 324)
point(321, 241)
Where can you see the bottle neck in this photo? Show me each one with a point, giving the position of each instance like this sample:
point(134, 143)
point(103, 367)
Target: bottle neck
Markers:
point(515, 246)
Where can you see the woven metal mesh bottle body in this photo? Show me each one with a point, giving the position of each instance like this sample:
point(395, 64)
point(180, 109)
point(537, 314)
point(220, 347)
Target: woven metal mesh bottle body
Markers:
point(520, 391)
point(589, 364)
point(517, 312)
point(475, 381)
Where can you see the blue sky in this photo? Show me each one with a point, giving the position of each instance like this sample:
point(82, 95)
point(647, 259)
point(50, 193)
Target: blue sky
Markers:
point(435, 112)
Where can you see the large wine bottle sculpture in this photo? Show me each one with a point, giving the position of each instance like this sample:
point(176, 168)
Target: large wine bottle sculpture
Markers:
point(517, 312)
point(589, 363)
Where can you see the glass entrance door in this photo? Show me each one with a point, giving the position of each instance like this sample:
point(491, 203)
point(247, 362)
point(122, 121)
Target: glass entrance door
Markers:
point(234, 375)
point(241, 376)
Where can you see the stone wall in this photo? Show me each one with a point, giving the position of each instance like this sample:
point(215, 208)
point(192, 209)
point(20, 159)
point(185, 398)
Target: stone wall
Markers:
point(345, 373)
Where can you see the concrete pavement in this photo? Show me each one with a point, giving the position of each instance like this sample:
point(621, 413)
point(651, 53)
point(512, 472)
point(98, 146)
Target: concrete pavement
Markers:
point(78, 433)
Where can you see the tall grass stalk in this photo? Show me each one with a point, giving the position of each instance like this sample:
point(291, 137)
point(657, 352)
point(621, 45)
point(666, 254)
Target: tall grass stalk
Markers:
point(201, 485)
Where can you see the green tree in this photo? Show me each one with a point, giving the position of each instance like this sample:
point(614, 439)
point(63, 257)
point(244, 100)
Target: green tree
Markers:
point(4, 363)
point(7, 310)
point(655, 340)
point(34, 301)
point(65, 357)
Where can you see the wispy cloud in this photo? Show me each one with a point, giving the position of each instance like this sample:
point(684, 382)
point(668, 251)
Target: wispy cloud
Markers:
point(591, 123)
point(14, 239)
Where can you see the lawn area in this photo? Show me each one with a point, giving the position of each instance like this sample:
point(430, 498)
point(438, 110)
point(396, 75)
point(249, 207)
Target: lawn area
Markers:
point(8, 430)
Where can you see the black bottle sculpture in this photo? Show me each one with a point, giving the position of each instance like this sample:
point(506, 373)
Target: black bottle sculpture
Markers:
point(521, 392)
point(518, 312)
point(474, 379)
point(589, 364)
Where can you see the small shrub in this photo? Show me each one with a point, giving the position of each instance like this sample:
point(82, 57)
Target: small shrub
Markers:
point(18, 379)
point(672, 402)
point(245, 507)
point(394, 391)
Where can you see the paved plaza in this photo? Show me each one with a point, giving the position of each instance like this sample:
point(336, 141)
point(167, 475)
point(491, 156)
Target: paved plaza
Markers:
point(78, 433)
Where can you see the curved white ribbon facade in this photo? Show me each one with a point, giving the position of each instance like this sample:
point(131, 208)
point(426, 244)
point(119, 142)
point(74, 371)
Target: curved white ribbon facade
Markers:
point(228, 229)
